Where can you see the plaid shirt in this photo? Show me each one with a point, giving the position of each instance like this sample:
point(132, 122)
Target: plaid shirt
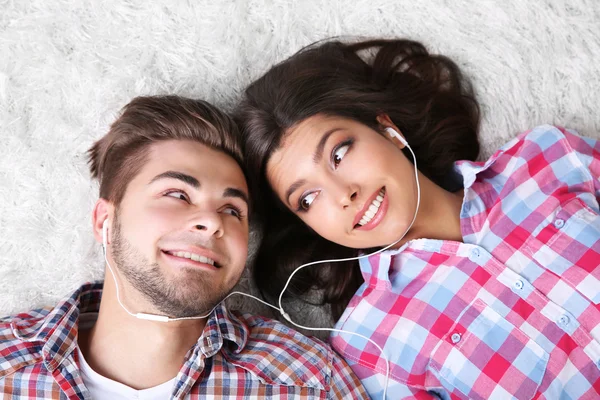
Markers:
point(512, 311)
point(237, 356)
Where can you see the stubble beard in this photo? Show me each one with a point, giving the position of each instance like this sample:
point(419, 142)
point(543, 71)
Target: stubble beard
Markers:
point(192, 293)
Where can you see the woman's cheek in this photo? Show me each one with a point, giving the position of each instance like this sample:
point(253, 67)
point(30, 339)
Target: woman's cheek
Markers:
point(325, 224)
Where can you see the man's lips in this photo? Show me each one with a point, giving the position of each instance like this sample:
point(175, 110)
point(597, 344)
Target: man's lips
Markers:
point(194, 256)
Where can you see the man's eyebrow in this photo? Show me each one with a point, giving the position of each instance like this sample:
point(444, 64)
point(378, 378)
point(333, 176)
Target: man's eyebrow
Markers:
point(292, 189)
point(188, 179)
point(240, 194)
point(318, 155)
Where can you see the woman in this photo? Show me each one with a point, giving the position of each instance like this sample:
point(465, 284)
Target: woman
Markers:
point(493, 291)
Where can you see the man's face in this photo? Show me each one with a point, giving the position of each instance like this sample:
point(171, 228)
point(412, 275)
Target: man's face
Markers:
point(180, 235)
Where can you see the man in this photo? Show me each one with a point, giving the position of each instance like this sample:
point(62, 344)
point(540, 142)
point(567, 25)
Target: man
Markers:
point(173, 220)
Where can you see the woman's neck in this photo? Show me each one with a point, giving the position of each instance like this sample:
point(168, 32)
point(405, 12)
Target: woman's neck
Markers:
point(439, 214)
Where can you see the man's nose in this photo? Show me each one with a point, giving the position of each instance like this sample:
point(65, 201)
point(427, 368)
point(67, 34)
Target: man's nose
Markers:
point(209, 223)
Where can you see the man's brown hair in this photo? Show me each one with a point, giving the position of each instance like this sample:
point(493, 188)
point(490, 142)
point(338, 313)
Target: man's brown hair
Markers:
point(117, 157)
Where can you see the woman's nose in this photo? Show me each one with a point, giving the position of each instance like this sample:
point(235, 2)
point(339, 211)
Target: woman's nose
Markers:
point(347, 195)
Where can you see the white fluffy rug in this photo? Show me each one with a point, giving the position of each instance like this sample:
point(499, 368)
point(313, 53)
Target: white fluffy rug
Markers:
point(66, 67)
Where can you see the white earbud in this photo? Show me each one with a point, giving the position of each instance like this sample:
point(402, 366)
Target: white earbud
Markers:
point(105, 234)
point(394, 134)
point(146, 316)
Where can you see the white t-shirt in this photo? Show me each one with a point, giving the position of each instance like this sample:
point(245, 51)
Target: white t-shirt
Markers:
point(102, 388)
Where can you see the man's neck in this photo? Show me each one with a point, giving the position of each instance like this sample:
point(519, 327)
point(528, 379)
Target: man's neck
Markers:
point(137, 353)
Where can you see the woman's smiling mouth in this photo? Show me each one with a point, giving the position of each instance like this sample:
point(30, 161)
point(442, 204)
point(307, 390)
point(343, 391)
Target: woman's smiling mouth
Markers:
point(373, 212)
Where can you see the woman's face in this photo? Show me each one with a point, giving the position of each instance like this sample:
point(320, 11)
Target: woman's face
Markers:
point(348, 182)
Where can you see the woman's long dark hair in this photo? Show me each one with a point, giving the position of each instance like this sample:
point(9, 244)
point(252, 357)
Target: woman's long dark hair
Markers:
point(424, 95)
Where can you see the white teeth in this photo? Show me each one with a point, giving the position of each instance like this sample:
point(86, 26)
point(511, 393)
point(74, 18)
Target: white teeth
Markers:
point(194, 257)
point(373, 208)
point(206, 260)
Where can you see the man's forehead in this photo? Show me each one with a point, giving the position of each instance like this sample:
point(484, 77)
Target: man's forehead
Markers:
point(194, 159)
point(176, 150)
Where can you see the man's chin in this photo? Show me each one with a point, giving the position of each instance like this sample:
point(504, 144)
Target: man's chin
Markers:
point(189, 299)
point(182, 310)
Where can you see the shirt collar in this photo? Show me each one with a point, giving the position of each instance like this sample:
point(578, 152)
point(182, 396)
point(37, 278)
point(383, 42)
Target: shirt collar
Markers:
point(223, 325)
point(469, 169)
point(376, 269)
point(57, 331)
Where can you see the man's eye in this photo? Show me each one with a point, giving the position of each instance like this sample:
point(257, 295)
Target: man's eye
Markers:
point(178, 195)
point(306, 201)
point(236, 212)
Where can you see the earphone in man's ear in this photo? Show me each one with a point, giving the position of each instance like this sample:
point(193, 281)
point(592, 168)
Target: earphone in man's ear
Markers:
point(146, 316)
point(394, 134)
point(105, 234)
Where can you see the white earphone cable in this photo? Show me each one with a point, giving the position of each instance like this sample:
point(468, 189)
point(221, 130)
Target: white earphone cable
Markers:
point(164, 318)
point(287, 317)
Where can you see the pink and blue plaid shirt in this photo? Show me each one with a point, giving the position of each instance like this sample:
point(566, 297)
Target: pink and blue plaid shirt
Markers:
point(511, 312)
point(237, 357)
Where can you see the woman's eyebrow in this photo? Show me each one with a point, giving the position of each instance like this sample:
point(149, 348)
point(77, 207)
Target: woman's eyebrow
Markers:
point(318, 155)
point(292, 189)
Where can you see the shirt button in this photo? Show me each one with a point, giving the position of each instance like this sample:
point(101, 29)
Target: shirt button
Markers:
point(475, 253)
point(519, 285)
point(559, 223)
point(564, 320)
point(455, 338)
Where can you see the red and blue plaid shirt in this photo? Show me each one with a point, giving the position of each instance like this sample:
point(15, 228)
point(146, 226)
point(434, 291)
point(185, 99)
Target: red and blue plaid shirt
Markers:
point(237, 356)
point(513, 311)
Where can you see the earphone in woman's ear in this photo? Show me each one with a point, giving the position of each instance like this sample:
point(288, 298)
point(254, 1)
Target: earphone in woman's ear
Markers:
point(394, 134)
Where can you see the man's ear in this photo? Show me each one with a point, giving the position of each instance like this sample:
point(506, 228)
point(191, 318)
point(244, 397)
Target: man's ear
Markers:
point(103, 211)
point(385, 123)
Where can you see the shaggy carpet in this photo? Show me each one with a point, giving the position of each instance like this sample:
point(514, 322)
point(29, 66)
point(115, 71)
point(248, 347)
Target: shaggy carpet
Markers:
point(67, 67)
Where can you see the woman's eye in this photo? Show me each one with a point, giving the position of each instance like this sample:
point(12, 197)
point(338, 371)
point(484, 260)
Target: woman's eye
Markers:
point(306, 201)
point(178, 195)
point(339, 154)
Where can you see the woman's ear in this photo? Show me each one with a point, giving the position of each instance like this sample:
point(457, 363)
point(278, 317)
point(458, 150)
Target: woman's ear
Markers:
point(391, 131)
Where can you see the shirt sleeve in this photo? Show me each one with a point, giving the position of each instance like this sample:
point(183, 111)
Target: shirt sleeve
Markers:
point(344, 379)
point(588, 152)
